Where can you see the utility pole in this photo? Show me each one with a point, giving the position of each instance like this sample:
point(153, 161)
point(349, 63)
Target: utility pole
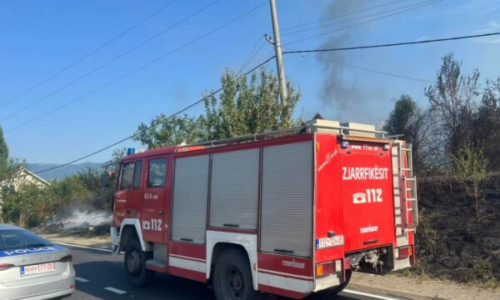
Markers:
point(279, 57)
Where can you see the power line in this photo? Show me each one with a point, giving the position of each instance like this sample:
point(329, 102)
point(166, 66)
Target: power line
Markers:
point(154, 124)
point(362, 23)
point(339, 16)
point(130, 50)
point(464, 37)
point(259, 40)
point(398, 9)
point(88, 54)
point(250, 58)
point(260, 65)
point(141, 67)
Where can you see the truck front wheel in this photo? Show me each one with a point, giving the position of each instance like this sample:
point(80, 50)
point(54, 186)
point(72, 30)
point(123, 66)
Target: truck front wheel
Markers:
point(135, 264)
point(233, 278)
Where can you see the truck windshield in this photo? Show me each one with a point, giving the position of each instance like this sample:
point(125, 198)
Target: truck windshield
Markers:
point(11, 239)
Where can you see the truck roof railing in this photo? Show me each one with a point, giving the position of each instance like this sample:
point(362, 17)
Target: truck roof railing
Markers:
point(348, 128)
point(252, 137)
point(317, 125)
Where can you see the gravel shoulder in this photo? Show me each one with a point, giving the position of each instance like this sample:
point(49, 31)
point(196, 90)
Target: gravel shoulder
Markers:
point(394, 284)
point(417, 287)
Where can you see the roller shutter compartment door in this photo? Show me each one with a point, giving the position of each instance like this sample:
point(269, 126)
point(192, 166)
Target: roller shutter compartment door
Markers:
point(235, 189)
point(286, 225)
point(190, 199)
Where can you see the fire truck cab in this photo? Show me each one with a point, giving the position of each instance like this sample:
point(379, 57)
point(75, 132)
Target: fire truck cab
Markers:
point(290, 212)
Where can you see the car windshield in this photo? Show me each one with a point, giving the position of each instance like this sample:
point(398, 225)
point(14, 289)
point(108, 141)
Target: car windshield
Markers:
point(20, 239)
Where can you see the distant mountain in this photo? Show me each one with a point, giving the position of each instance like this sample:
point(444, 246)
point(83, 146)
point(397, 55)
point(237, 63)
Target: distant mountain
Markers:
point(63, 172)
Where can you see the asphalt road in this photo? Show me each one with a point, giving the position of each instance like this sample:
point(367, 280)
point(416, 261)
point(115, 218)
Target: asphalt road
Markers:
point(100, 275)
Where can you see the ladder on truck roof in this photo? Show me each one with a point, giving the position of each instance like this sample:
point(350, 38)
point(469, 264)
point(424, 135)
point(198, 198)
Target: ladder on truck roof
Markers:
point(405, 189)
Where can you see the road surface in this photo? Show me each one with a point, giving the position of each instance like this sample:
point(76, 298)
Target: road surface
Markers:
point(100, 275)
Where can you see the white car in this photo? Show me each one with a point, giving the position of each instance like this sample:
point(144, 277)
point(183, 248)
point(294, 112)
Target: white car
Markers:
point(33, 268)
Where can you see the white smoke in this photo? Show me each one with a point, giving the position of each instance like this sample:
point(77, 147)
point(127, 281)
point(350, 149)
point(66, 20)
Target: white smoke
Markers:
point(79, 218)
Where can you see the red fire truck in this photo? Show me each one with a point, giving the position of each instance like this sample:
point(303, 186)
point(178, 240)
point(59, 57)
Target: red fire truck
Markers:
point(290, 212)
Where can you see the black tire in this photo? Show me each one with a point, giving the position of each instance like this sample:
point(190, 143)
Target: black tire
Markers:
point(135, 264)
point(233, 278)
point(325, 294)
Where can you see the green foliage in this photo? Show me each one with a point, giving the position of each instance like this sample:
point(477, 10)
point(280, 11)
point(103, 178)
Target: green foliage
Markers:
point(246, 105)
point(171, 131)
point(4, 156)
point(97, 196)
point(416, 127)
point(26, 208)
point(487, 123)
point(400, 118)
point(32, 205)
point(471, 171)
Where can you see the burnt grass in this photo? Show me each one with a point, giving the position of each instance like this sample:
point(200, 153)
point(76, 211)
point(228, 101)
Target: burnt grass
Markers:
point(451, 242)
point(82, 230)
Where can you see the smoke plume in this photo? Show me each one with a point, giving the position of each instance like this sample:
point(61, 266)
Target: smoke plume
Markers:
point(79, 218)
point(342, 92)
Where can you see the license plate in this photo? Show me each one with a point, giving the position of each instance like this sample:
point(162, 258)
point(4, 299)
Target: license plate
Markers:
point(335, 241)
point(37, 269)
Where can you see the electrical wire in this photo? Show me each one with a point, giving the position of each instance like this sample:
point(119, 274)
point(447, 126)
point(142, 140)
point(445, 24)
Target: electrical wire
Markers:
point(141, 67)
point(260, 65)
point(259, 40)
point(154, 124)
point(130, 50)
point(456, 38)
point(250, 59)
point(105, 44)
point(361, 23)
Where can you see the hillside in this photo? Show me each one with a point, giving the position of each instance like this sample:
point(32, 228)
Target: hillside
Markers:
point(63, 172)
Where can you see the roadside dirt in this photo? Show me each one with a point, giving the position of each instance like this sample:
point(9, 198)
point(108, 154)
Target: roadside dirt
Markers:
point(418, 287)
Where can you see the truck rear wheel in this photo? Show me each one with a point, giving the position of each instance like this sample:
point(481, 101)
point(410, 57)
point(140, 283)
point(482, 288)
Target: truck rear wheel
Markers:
point(135, 265)
point(233, 278)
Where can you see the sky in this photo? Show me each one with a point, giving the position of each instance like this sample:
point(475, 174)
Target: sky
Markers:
point(102, 103)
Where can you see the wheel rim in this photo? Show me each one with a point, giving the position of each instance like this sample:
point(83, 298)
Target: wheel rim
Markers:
point(133, 262)
point(233, 283)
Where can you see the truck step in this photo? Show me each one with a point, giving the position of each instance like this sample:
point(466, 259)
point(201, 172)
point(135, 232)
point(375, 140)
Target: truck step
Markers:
point(156, 264)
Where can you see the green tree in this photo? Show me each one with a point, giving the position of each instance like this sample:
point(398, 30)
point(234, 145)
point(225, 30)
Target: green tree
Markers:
point(4, 156)
point(399, 121)
point(170, 131)
point(246, 105)
point(471, 171)
point(487, 123)
point(416, 127)
point(98, 196)
point(29, 206)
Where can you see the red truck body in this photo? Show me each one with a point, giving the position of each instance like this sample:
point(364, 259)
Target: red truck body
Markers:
point(304, 208)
